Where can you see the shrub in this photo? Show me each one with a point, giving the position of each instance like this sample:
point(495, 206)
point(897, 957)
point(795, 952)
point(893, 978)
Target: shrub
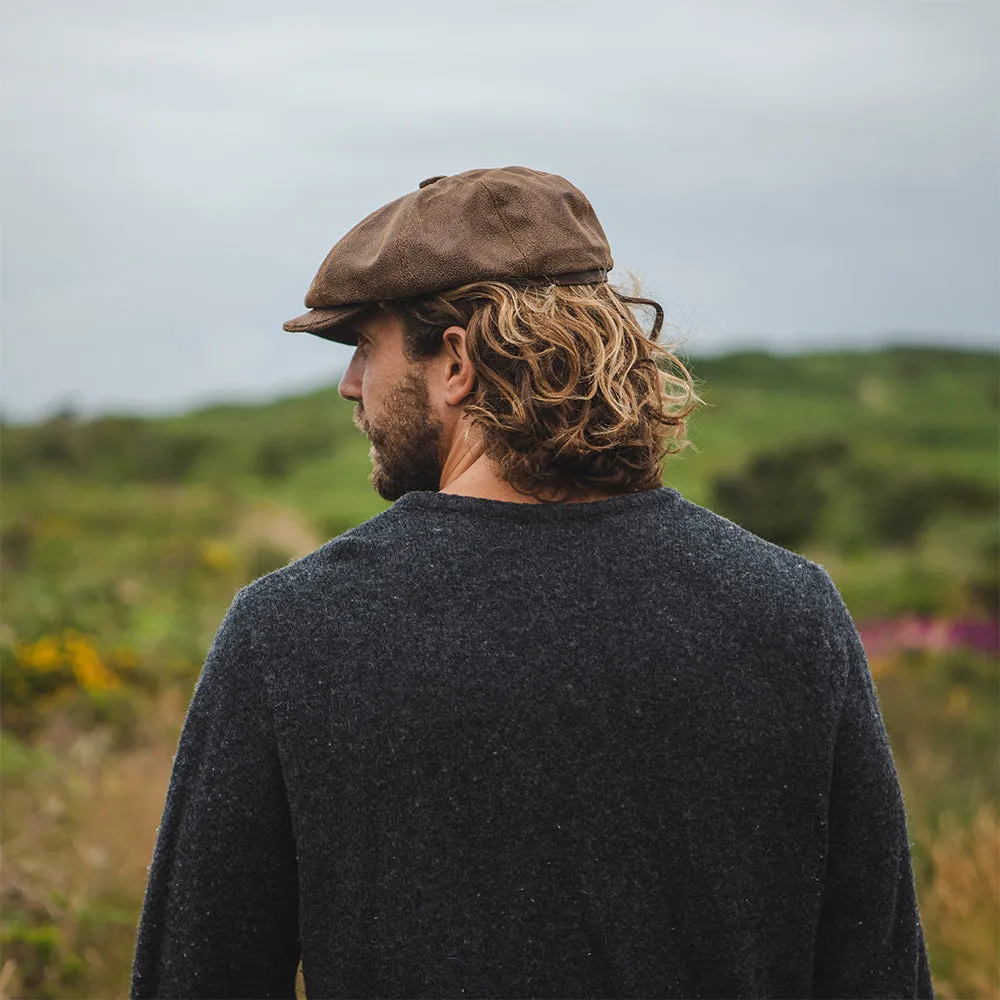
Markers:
point(780, 495)
point(820, 490)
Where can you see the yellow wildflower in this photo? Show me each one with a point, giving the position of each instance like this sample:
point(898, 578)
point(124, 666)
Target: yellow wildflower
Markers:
point(217, 555)
point(43, 655)
point(90, 671)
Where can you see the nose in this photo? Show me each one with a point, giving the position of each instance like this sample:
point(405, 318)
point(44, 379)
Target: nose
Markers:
point(350, 383)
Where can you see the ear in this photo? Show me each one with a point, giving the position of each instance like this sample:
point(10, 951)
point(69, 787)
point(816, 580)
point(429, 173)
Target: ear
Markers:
point(459, 375)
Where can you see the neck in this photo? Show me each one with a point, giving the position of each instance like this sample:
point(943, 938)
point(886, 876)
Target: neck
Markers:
point(480, 480)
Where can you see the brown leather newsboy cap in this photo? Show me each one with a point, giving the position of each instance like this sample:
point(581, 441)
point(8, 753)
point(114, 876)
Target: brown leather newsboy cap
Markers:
point(507, 223)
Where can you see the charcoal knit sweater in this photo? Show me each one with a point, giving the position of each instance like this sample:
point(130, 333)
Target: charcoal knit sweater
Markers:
point(472, 748)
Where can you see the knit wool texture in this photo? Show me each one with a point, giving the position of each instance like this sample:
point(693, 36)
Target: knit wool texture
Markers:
point(473, 748)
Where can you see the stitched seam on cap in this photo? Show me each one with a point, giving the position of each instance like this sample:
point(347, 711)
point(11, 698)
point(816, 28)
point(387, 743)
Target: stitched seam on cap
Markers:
point(503, 222)
point(399, 246)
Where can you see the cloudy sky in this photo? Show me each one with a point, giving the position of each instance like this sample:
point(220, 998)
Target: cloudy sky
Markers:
point(785, 175)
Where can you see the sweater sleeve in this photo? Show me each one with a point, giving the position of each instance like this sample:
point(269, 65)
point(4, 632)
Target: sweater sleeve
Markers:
point(220, 914)
point(869, 939)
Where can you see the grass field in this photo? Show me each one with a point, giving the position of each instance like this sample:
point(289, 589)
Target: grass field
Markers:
point(124, 539)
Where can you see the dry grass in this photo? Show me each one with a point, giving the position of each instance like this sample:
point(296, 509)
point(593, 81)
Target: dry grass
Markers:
point(77, 840)
point(125, 804)
point(961, 907)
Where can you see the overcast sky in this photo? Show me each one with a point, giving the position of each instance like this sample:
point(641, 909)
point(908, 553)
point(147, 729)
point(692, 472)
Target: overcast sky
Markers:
point(786, 175)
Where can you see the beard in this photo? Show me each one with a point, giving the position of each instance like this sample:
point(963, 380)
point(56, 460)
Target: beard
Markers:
point(405, 448)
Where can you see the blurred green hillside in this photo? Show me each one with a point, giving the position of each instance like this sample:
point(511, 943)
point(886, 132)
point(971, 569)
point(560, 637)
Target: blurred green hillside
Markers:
point(883, 464)
point(123, 540)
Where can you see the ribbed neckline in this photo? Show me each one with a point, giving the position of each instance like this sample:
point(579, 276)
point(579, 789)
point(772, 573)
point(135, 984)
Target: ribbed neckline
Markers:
point(455, 503)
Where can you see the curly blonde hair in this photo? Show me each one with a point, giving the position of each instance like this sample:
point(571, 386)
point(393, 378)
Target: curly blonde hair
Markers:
point(571, 395)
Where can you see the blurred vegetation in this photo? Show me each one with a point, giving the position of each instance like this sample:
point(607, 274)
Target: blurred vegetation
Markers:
point(123, 541)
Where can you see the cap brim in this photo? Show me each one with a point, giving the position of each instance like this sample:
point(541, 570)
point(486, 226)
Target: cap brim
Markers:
point(327, 323)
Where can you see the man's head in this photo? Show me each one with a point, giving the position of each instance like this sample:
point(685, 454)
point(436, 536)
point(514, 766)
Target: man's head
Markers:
point(556, 387)
point(489, 336)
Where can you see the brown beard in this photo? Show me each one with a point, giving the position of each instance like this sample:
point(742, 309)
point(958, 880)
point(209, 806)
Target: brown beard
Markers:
point(406, 448)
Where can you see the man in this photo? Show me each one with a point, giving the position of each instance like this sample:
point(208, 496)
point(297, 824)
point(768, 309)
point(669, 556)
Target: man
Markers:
point(542, 728)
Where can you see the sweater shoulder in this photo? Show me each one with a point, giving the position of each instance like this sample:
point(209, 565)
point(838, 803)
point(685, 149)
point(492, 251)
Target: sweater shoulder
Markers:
point(715, 541)
point(335, 563)
point(769, 590)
